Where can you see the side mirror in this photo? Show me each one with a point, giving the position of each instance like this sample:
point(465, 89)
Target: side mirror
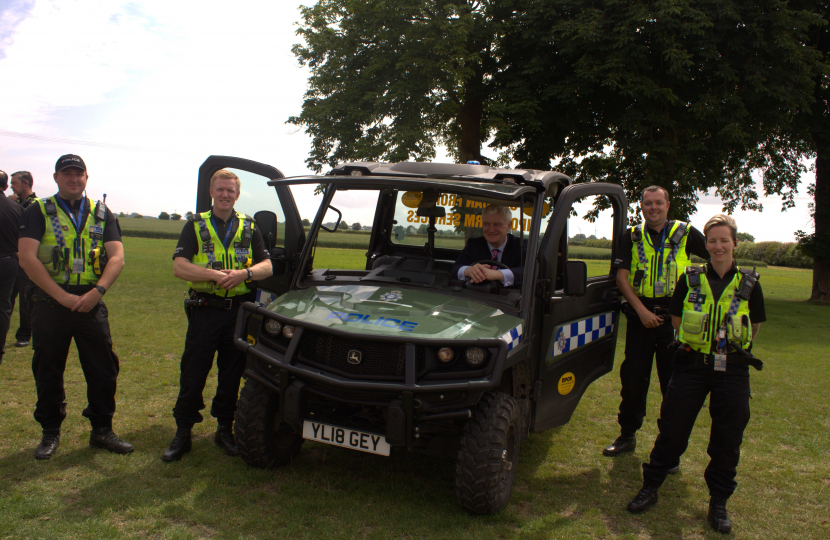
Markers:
point(328, 220)
point(267, 223)
point(576, 278)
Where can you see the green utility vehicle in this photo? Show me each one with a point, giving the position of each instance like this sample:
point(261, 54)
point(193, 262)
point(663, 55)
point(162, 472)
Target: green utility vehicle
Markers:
point(396, 352)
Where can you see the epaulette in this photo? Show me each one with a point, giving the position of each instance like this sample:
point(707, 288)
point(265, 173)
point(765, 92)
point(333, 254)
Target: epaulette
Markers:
point(751, 273)
point(196, 216)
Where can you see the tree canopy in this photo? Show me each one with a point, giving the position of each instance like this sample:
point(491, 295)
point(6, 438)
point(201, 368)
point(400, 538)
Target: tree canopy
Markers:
point(392, 80)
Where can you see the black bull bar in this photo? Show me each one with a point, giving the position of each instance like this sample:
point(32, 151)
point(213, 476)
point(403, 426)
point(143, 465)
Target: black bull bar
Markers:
point(410, 384)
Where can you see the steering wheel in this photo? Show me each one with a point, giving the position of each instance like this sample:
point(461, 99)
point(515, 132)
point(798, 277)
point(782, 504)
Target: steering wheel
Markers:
point(489, 286)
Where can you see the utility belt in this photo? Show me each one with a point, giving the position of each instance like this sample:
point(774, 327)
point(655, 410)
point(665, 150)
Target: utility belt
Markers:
point(194, 299)
point(660, 311)
point(742, 358)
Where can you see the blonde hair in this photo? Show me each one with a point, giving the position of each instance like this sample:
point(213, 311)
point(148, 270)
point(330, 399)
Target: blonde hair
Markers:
point(721, 219)
point(224, 173)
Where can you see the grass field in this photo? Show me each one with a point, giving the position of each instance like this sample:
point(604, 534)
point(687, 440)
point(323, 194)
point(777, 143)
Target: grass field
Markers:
point(564, 487)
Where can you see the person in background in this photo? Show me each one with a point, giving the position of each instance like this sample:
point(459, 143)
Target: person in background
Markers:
point(22, 183)
point(71, 250)
point(717, 311)
point(10, 213)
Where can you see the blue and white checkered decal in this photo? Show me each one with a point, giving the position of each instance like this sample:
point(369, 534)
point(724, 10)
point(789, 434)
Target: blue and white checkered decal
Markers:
point(571, 336)
point(513, 337)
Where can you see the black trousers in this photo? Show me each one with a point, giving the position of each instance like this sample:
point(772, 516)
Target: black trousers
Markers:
point(53, 329)
point(729, 408)
point(209, 333)
point(23, 288)
point(641, 346)
point(8, 271)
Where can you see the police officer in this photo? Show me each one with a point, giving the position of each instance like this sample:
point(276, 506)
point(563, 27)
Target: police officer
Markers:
point(717, 310)
point(9, 217)
point(21, 184)
point(219, 253)
point(71, 249)
point(654, 254)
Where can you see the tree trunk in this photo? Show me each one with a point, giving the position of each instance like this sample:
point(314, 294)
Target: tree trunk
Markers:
point(821, 262)
point(469, 122)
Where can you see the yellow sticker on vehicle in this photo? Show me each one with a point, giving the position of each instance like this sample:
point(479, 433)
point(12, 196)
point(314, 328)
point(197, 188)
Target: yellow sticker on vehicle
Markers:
point(528, 210)
point(251, 340)
point(412, 199)
point(566, 383)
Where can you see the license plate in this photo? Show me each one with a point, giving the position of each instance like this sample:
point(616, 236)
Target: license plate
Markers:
point(345, 437)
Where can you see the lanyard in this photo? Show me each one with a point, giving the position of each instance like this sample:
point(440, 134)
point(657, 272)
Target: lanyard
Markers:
point(75, 223)
point(662, 248)
point(227, 233)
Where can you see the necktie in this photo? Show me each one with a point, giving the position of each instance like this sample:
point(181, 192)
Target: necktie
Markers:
point(495, 258)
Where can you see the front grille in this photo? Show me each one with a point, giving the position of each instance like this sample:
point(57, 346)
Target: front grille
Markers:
point(378, 359)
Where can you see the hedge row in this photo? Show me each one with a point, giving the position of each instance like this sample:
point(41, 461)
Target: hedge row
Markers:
point(774, 254)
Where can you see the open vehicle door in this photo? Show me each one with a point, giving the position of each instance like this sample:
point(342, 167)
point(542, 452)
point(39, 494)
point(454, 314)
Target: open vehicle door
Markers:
point(281, 227)
point(580, 316)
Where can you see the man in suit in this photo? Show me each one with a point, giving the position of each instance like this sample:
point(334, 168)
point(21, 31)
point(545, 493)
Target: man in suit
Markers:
point(496, 245)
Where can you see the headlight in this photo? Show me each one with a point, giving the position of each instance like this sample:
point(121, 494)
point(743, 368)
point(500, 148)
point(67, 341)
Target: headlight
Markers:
point(474, 356)
point(445, 355)
point(288, 332)
point(273, 327)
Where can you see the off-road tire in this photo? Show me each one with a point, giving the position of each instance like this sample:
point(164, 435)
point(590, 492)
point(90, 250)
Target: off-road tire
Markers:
point(488, 455)
point(263, 440)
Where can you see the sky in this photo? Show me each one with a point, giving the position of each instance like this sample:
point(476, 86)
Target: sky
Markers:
point(144, 91)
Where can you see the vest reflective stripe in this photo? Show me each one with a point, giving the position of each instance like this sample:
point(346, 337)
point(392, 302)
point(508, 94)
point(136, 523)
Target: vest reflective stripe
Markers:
point(236, 257)
point(644, 257)
point(60, 231)
point(701, 320)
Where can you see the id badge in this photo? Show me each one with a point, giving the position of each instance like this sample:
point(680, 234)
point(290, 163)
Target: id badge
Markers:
point(658, 288)
point(77, 266)
point(720, 362)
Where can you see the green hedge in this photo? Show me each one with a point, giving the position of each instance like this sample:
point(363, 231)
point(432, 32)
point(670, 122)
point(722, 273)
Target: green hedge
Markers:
point(774, 254)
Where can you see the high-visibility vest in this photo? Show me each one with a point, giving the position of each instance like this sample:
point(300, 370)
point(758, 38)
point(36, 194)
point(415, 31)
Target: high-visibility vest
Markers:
point(703, 316)
point(213, 254)
point(644, 259)
point(72, 257)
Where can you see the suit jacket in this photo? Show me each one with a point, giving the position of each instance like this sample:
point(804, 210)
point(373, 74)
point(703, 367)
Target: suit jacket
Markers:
point(477, 249)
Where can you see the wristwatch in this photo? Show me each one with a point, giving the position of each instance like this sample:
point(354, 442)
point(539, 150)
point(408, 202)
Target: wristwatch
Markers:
point(250, 273)
point(101, 290)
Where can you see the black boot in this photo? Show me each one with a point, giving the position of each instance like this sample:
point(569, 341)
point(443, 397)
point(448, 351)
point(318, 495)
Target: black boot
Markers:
point(180, 446)
point(620, 446)
point(105, 438)
point(645, 499)
point(224, 438)
point(48, 443)
point(718, 518)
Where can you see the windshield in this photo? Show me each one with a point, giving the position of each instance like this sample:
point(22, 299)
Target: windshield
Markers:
point(391, 235)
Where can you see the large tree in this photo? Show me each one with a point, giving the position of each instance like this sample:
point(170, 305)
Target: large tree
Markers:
point(816, 124)
point(391, 79)
point(686, 94)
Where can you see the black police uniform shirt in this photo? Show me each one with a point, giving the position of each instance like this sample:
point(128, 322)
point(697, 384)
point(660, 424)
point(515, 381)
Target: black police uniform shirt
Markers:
point(188, 245)
point(757, 312)
point(27, 201)
point(10, 213)
point(695, 245)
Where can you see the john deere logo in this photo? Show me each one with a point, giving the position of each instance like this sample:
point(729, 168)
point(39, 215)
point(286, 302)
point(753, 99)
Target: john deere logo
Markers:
point(354, 357)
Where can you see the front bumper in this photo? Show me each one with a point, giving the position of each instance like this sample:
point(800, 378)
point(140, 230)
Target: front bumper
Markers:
point(417, 397)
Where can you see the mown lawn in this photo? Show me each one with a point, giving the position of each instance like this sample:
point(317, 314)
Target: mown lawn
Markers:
point(565, 488)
